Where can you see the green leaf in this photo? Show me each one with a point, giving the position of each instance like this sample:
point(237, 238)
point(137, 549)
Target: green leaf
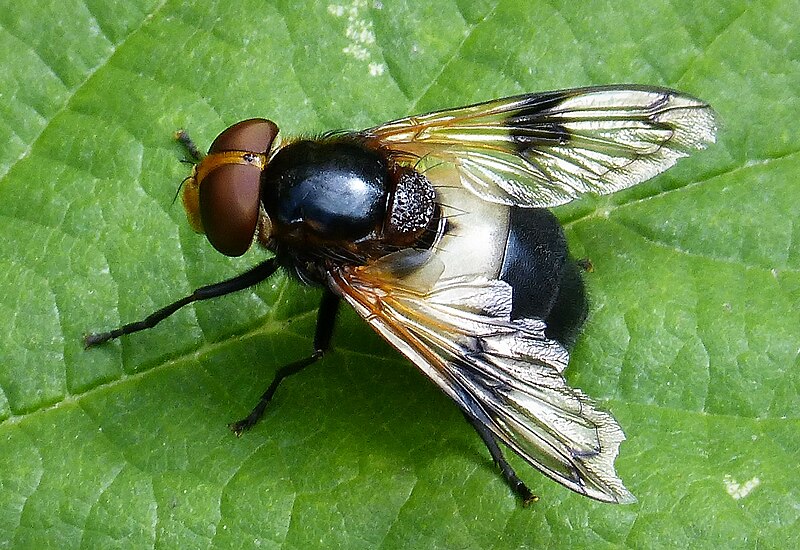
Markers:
point(692, 340)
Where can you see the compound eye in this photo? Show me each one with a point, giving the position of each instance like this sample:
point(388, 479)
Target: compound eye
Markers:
point(254, 135)
point(229, 206)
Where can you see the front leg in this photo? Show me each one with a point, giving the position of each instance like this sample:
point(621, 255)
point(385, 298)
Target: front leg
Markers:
point(247, 279)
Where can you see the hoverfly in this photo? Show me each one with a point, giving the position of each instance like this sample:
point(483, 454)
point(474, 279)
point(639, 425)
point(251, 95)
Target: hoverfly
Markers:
point(434, 228)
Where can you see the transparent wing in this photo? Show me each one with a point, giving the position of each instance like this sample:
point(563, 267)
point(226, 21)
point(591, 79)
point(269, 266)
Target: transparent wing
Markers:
point(548, 148)
point(504, 372)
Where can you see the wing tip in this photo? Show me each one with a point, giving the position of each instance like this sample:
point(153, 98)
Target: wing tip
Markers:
point(618, 494)
point(626, 497)
point(694, 120)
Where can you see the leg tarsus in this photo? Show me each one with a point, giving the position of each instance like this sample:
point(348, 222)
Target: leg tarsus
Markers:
point(511, 477)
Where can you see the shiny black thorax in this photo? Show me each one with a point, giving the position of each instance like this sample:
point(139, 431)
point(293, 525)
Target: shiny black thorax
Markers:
point(328, 190)
point(337, 201)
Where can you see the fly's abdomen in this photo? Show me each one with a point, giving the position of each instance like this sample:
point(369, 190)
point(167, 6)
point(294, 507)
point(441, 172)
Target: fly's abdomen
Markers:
point(546, 282)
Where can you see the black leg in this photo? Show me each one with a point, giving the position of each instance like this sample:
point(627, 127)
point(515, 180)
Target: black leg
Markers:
point(516, 484)
point(240, 282)
point(326, 318)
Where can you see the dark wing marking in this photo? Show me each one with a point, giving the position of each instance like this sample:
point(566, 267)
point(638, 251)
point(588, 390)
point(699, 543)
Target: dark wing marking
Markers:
point(546, 149)
point(505, 372)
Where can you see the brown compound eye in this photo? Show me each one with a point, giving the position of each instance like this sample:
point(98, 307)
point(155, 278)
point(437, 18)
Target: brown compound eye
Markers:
point(229, 202)
point(254, 135)
point(229, 192)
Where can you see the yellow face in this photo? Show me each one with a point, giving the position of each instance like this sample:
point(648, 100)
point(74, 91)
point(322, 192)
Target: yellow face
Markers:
point(191, 201)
